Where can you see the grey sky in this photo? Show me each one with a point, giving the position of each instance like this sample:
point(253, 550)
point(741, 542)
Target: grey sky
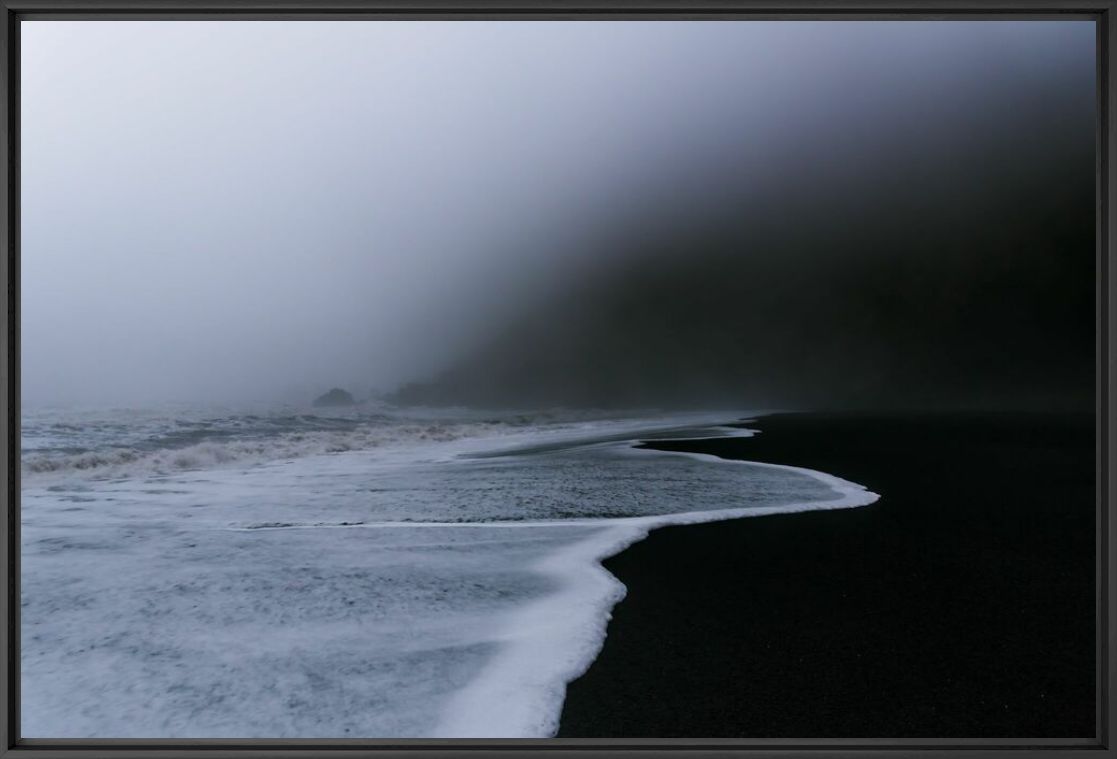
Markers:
point(226, 210)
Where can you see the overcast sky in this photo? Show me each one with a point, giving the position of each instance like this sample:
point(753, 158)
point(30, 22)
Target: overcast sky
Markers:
point(231, 210)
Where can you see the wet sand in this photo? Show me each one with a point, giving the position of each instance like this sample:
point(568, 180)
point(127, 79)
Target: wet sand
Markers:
point(961, 604)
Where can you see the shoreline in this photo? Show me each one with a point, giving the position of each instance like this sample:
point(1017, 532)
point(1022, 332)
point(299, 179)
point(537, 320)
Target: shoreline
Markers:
point(526, 684)
point(499, 615)
point(959, 605)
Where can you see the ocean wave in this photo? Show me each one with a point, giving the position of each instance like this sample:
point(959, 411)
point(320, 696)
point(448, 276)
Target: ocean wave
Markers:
point(553, 640)
point(147, 459)
point(427, 591)
point(114, 443)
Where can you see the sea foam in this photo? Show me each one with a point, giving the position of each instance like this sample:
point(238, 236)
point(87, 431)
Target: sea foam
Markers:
point(554, 640)
point(420, 588)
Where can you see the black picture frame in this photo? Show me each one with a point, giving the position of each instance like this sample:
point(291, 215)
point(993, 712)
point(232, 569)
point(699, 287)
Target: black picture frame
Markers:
point(15, 11)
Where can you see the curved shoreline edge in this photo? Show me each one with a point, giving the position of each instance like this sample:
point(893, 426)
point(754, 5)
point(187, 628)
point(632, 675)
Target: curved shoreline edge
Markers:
point(553, 641)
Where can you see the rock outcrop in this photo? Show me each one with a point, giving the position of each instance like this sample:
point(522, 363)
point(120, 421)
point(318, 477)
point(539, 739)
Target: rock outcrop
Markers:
point(335, 397)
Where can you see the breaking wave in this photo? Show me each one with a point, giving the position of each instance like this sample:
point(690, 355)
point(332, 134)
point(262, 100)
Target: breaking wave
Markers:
point(129, 461)
point(433, 578)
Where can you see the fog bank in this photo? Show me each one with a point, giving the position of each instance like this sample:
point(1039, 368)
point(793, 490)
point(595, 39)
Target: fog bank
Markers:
point(571, 213)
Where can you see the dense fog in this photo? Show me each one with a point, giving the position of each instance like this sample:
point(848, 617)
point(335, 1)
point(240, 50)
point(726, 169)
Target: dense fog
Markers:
point(559, 213)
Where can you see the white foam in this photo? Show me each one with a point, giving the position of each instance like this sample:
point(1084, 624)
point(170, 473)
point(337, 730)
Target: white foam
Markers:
point(308, 601)
point(553, 641)
point(108, 452)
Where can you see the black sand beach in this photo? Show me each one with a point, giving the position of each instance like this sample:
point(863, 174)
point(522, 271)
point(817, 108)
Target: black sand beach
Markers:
point(961, 604)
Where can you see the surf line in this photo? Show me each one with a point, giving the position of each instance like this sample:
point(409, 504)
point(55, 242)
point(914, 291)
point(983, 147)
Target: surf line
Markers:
point(554, 640)
point(549, 642)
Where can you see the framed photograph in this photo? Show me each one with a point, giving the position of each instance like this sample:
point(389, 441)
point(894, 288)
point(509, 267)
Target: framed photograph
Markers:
point(413, 378)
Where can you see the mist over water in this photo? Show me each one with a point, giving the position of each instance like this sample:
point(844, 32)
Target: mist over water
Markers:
point(574, 234)
point(526, 213)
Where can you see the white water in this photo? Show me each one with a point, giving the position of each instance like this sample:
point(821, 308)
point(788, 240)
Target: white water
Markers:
point(442, 584)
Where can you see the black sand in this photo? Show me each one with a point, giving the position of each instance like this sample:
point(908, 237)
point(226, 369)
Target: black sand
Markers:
point(959, 605)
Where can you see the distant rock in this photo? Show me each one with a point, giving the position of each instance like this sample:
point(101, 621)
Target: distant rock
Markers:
point(336, 397)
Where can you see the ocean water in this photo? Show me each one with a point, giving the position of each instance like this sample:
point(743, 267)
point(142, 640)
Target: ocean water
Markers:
point(365, 573)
